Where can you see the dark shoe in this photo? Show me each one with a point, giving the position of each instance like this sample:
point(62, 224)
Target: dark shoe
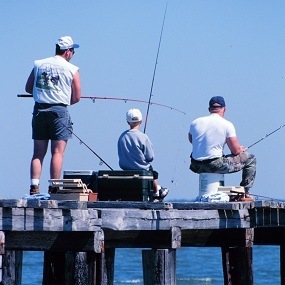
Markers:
point(52, 189)
point(34, 189)
point(163, 192)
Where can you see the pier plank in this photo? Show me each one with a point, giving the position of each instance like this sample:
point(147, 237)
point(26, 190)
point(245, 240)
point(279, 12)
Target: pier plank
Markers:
point(130, 219)
point(46, 219)
point(129, 205)
point(143, 239)
point(55, 241)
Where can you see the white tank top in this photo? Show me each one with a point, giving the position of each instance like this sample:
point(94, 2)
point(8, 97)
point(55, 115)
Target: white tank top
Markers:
point(53, 79)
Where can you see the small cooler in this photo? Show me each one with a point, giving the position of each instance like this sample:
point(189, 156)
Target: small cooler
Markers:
point(125, 185)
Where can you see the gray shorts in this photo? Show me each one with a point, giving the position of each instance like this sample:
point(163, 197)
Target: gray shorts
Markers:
point(51, 122)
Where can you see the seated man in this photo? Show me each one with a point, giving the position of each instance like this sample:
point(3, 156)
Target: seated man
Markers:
point(135, 151)
point(209, 135)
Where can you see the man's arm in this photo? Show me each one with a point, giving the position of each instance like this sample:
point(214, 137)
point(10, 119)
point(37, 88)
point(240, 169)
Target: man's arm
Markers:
point(75, 89)
point(30, 83)
point(234, 145)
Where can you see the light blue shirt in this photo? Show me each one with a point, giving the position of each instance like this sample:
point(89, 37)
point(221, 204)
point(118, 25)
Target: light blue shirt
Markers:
point(135, 150)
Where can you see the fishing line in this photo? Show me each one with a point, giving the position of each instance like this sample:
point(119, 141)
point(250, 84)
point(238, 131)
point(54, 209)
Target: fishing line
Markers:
point(177, 155)
point(150, 95)
point(266, 136)
point(80, 140)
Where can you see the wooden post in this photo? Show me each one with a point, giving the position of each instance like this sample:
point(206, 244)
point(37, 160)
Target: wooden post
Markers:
point(159, 266)
point(78, 268)
point(54, 268)
point(10, 264)
point(237, 262)
point(12, 267)
point(105, 267)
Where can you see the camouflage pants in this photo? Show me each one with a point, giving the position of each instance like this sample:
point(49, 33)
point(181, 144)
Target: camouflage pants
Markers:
point(229, 164)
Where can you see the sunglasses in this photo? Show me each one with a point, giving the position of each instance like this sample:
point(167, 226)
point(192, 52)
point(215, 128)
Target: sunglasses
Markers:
point(72, 50)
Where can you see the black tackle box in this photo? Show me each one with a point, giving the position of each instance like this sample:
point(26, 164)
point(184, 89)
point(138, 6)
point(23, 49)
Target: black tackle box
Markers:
point(125, 185)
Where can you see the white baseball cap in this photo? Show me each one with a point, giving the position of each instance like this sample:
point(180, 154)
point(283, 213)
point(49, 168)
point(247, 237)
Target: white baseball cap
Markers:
point(66, 42)
point(134, 116)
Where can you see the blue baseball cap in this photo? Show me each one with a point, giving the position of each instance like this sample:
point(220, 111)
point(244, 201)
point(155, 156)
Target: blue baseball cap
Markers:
point(217, 101)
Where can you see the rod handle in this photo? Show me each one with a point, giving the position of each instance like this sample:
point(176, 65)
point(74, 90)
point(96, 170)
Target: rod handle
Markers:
point(24, 95)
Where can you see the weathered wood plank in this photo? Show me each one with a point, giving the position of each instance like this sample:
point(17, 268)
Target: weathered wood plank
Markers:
point(269, 204)
point(42, 219)
point(56, 241)
point(13, 203)
point(267, 217)
point(213, 206)
point(216, 238)
point(130, 205)
point(57, 204)
point(269, 235)
point(143, 239)
point(130, 219)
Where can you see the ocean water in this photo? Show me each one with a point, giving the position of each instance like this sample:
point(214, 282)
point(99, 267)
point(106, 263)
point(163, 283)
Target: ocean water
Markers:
point(195, 265)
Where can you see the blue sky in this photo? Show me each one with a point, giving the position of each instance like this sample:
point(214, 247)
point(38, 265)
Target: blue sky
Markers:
point(230, 48)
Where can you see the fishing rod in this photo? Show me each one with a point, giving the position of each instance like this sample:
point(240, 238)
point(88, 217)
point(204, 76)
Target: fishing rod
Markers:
point(94, 98)
point(266, 197)
point(266, 136)
point(150, 95)
point(82, 142)
point(258, 196)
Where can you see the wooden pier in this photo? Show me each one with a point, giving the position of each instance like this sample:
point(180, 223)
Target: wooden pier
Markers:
point(79, 238)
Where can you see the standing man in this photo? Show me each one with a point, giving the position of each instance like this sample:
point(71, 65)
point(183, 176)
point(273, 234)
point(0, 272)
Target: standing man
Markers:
point(209, 135)
point(55, 84)
point(135, 151)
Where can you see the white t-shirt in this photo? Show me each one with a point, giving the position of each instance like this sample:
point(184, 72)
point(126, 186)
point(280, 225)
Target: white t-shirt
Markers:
point(53, 80)
point(209, 136)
